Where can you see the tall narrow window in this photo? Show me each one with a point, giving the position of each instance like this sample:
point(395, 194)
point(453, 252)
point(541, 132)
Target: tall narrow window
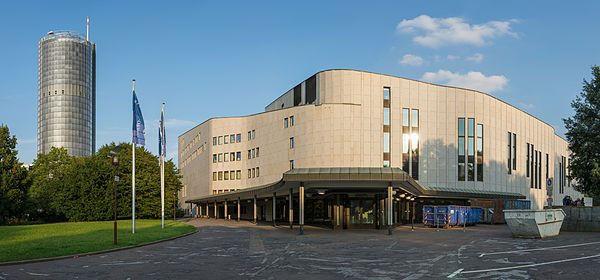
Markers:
point(386, 142)
point(238, 137)
point(232, 138)
point(249, 173)
point(257, 152)
point(291, 164)
point(291, 142)
point(527, 162)
point(514, 153)
point(214, 141)
point(471, 149)
point(226, 138)
point(239, 156)
point(253, 153)
point(386, 127)
point(461, 149)
point(509, 154)
point(535, 169)
point(285, 123)
point(560, 189)
point(220, 140)
point(238, 174)
point(291, 120)
point(226, 175)
point(547, 164)
point(249, 154)
point(214, 158)
point(480, 152)
point(386, 93)
point(232, 156)
point(214, 176)
point(257, 172)
point(253, 134)
point(539, 169)
point(415, 143)
point(386, 116)
point(405, 140)
point(532, 164)
point(249, 135)
point(220, 175)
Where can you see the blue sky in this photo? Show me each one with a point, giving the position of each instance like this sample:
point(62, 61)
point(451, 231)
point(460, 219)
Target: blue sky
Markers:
point(228, 58)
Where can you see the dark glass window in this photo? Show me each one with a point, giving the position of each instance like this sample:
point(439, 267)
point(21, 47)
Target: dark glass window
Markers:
point(238, 137)
point(214, 141)
point(471, 149)
point(547, 164)
point(297, 95)
point(239, 156)
point(311, 90)
point(514, 153)
point(291, 120)
point(285, 123)
point(405, 140)
point(461, 149)
point(214, 158)
point(291, 164)
point(509, 153)
point(291, 142)
point(527, 162)
point(480, 152)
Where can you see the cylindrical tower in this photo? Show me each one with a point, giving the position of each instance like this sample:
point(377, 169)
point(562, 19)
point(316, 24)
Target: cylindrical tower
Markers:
point(66, 93)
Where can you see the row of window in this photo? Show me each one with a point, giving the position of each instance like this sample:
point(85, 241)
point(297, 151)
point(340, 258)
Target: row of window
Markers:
point(287, 122)
point(223, 191)
point(470, 160)
point(534, 166)
point(225, 157)
point(562, 174)
point(253, 172)
point(227, 175)
point(251, 134)
point(233, 138)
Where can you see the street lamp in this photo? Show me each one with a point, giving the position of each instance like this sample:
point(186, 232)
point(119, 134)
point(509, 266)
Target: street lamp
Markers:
point(174, 198)
point(114, 161)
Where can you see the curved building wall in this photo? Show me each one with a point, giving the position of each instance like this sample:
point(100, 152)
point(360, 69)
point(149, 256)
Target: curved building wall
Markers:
point(345, 128)
point(65, 94)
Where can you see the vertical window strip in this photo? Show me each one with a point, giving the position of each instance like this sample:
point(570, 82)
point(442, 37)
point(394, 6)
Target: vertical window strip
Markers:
point(480, 152)
point(405, 140)
point(415, 144)
point(514, 154)
point(509, 154)
point(527, 160)
point(461, 149)
point(471, 149)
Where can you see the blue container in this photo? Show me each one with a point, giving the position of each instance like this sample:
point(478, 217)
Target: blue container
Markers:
point(475, 215)
point(431, 213)
point(517, 204)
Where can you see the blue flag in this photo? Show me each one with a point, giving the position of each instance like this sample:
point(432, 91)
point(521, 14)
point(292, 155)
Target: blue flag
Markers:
point(138, 123)
point(162, 140)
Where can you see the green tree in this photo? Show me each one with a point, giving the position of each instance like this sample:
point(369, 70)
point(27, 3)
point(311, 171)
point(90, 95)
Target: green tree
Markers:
point(81, 188)
point(14, 180)
point(583, 134)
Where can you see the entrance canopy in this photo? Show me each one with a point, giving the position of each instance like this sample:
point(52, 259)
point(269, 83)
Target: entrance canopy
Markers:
point(351, 179)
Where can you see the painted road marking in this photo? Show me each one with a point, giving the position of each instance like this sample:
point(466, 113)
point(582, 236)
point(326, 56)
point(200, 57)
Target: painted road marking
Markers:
point(460, 271)
point(538, 249)
point(455, 273)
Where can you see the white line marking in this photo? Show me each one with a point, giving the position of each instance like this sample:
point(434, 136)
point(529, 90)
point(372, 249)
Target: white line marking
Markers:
point(455, 273)
point(528, 265)
point(37, 274)
point(538, 249)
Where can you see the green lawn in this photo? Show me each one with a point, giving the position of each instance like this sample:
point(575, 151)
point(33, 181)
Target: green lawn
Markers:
point(52, 240)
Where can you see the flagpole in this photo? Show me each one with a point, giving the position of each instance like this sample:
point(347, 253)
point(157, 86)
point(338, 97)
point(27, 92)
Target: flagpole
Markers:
point(162, 171)
point(133, 180)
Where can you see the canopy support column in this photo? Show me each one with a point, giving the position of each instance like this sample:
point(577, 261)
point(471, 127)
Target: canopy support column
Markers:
point(301, 218)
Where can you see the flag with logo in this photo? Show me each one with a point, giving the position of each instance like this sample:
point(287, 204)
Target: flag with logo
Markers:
point(138, 122)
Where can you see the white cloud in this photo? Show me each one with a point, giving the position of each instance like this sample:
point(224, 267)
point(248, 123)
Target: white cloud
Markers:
point(477, 58)
point(411, 59)
point(525, 106)
point(436, 32)
point(471, 80)
point(452, 57)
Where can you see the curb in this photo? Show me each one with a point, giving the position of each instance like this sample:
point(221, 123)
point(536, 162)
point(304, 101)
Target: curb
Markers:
point(94, 253)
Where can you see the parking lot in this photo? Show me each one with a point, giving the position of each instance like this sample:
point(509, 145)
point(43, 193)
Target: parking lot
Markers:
point(241, 250)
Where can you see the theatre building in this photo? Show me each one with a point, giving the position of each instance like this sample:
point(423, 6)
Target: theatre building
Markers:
point(353, 149)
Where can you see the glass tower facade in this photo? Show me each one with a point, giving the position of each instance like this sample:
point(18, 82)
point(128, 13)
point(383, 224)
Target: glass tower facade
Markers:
point(66, 93)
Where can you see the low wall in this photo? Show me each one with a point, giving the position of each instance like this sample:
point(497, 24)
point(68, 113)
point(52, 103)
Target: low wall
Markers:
point(581, 218)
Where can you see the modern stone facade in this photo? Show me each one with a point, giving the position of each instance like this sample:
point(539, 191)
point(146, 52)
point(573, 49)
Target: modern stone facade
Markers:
point(340, 120)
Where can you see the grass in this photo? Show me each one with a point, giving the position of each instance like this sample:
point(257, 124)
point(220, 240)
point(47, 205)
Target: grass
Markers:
point(61, 239)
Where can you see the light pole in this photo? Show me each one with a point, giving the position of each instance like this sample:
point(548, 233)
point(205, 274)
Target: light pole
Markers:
point(114, 161)
point(174, 197)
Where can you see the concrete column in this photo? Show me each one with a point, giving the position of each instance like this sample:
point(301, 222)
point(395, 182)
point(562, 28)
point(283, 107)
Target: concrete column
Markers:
point(208, 216)
point(389, 209)
point(226, 216)
point(291, 209)
point(301, 217)
point(238, 205)
point(216, 212)
point(255, 209)
point(274, 207)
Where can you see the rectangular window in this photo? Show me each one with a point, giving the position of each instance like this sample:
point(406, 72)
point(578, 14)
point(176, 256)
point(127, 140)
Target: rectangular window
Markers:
point(249, 154)
point(480, 152)
point(214, 158)
point(226, 175)
point(386, 142)
point(311, 89)
point(291, 164)
point(257, 152)
point(214, 141)
point(461, 149)
point(527, 162)
point(253, 153)
point(220, 175)
point(386, 93)
point(257, 172)
point(232, 156)
point(415, 118)
point(220, 140)
point(509, 153)
point(547, 164)
point(405, 140)
point(249, 135)
point(239, 156)
point(249, 173)
point(238, 137)
point(232, 138)
point(535, 169)
point(232, 175)
point(291, 120)
point(414, 135)
point(539, 170)
point(220, 157)
point(405, 120)
point(514, 153)
point(471, 149)
point(285, 123)
point(386, 116)
point(253, 134)
point(238, 174)
point(253, 172)
point(226, 139)
point(291, 142)
point(531, 165)
point(226, 157)
point(214, 176)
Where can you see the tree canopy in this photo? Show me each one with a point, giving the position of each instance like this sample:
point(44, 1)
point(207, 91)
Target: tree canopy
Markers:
point(81, 188)
point(14, 181)
point(583, 134)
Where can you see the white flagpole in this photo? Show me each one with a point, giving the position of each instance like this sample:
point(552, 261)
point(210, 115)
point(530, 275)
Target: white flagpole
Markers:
point(162, 169)
point(133, 180)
